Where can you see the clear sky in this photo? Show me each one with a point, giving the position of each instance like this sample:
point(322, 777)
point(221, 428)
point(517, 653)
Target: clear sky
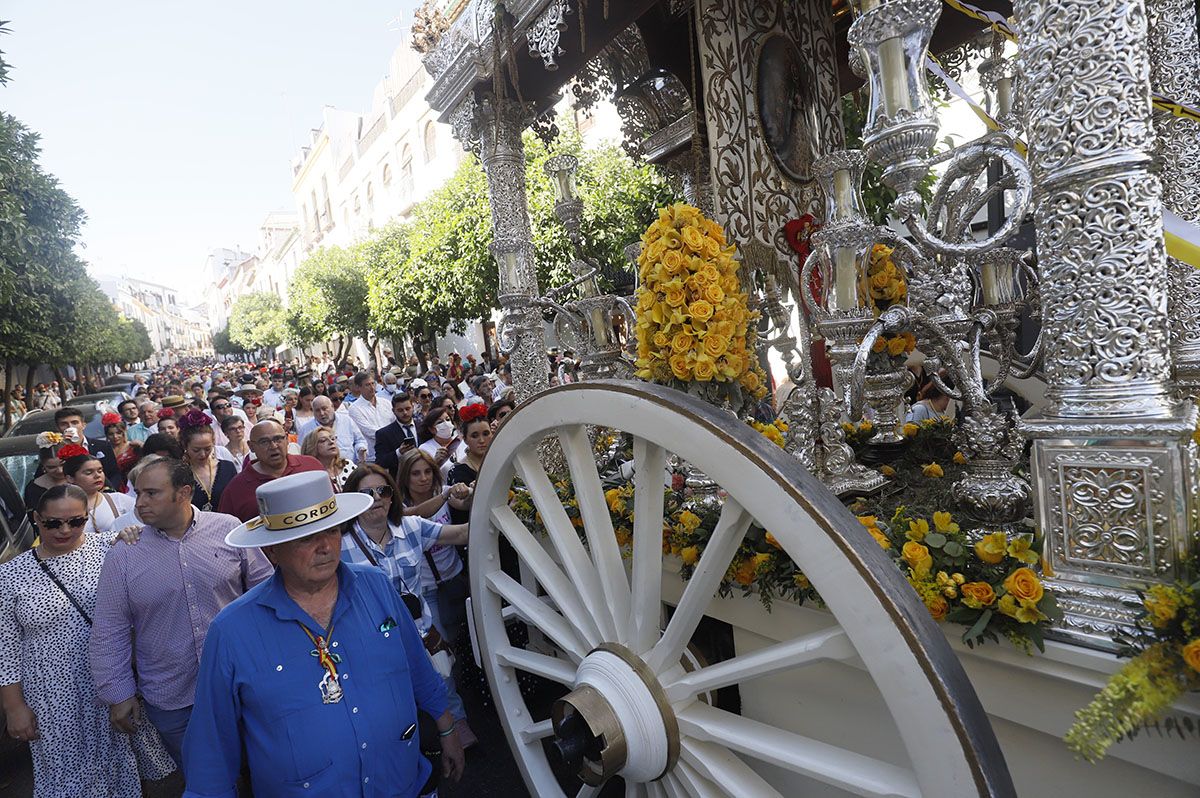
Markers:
point(173, 124)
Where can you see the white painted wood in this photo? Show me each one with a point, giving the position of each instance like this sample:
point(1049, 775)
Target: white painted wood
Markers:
point(723, 767)
point(714, 562)
point(571, 553)
point(693, 783)
point(537, 731)
point(597, 524)
point(648, 497)
point(536, 613)
point(556, 670)
point(829, 643)
point(854, 773)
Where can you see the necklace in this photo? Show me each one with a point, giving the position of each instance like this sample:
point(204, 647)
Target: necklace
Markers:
point(211, 467)
point(331, 690)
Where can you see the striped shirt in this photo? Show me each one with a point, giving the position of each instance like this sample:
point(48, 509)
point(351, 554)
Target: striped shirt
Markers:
point(156, 600)
point(401, 559)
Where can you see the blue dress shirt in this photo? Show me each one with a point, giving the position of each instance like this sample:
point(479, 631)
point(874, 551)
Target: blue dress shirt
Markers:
point(258, 689)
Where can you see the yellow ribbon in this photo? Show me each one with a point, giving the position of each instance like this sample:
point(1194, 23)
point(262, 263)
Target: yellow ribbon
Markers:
point(294, 518)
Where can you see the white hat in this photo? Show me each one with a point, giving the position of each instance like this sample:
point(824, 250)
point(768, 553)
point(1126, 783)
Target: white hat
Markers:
point(295, 507)
point(418, 383)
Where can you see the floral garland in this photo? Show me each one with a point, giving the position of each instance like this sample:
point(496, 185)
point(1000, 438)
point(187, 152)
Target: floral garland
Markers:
point(1165, 651)
point(694, 326)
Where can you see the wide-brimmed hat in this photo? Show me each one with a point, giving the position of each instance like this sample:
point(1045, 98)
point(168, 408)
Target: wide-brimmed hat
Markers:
point(174, 401)
point(418, 383)
point(295, 507)
point(248, 388)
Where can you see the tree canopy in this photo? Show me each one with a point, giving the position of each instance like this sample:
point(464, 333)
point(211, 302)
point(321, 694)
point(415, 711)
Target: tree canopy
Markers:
point(257, 321)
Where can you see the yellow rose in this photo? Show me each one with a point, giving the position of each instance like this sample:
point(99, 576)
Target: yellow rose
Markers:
point(1021, 611)
point(682, 342)
point(1024, 585)
point(690, 555)
point(771, 541)
point(867, 520)
point(1191, 654)
point(674, 261)
point(978, 594)
point(760, 561)
point(714, 294)
point(700, 309)
point(709, 274)
point(938, 607)
point(714, 230)
point(646, 299)
point(705, 368)
point(944, 522)
point(960, 458)
point(933, 471)
point(880, 538)
point(895, 347)
point(693, 239)
point(887, 471)
point(680, 368)
point(992, 548)
point(750, 381)
point(744, 573)
point(917, 557)
point(676, 297)
point(1019, 549)
point(910, 429)
point(801, 581)
point(689, 520)
point(715, 346)
point(879, 345)
point(917, 530)
point(1162, 603)
point(614, 499)
point(661, 340)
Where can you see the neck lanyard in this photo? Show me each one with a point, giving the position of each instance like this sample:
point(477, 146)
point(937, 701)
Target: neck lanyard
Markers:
point(331, 690)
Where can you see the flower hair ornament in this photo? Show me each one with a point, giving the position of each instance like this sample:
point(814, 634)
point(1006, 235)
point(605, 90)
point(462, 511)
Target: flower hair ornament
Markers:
point(45, 440)
point(108, 419)
point(472, 412)
point(195, 418)
point(166, 412)
point(72, 450)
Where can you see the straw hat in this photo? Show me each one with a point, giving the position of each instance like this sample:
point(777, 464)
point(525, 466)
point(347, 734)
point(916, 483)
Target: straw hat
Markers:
point(295, 507)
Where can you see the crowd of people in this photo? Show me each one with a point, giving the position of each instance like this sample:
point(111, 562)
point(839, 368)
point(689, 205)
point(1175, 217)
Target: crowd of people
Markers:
point(229, 505)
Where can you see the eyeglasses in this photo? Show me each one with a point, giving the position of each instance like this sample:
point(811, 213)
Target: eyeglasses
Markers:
point(381, 492)
point(425, 396)
point(274, 440)
point(78, 522)
point(225, 406)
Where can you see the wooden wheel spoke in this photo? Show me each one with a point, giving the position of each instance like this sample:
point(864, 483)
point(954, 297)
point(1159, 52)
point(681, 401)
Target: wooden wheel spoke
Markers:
point(597, 523)
point(723, 768)
point(535, 612)
point(560, 588)
point(538, 664)
point(537, 731)
point(574, 557)
point(650, 463)
point(587, 791)
point(694, 784)
point(826, 644)
point(839, 767)
point(726, 537)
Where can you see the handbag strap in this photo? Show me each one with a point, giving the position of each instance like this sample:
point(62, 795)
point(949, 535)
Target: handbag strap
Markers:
point(362, 545)
point(437, 575)
point(74, 601)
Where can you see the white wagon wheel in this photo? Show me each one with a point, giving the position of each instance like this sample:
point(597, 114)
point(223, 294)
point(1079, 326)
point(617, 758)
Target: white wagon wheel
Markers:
point(624, 668)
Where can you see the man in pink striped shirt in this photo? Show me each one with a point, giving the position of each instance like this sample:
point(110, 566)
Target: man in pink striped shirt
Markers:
point(157, 598)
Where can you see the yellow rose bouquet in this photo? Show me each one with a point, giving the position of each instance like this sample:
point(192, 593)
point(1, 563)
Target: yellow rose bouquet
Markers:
point(1165, 651)
point(695, 330)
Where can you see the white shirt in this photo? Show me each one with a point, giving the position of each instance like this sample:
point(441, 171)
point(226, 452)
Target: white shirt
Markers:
point(370, 418)
point(431, 446)
point(101, 517)
point(273, 398)
point(349, 440)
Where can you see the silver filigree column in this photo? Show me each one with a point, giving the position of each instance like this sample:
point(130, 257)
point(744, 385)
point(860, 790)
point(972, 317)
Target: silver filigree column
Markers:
point(1110, 454)
point(499, 123)
point(1175, 72)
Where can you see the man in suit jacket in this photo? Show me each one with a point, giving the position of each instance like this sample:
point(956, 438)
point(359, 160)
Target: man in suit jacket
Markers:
point(69, 421)
point(397, 437)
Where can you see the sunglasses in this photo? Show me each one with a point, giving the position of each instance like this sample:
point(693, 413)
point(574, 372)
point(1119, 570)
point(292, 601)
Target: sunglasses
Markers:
point(78, 522)
point(381, 492)
point(222, 406)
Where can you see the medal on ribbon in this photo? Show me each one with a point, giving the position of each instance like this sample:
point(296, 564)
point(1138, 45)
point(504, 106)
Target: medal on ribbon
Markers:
point(331, 690)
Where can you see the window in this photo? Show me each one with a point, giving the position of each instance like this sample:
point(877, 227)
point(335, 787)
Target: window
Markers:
point(387, 174)
point(370, 194)
point(357, 205)
point(406, 171)
point(430, 142)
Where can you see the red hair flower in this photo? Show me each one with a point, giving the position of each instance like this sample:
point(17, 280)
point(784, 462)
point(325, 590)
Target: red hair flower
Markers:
point(166, 412)
point(72, 450)
point(472, 412)
point(108, 419)
point(194, 418)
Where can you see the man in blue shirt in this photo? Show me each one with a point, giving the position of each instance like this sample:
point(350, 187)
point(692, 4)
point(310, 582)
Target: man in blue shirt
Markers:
point(317, 673)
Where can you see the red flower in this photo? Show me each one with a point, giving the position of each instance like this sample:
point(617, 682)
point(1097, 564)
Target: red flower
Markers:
point(472, 412)
point(72, 450)
point(799, 234)
point(110, 418)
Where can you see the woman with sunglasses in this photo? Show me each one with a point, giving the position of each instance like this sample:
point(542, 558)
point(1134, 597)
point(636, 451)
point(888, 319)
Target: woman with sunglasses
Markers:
point(47, 597)
point(86, 472)
point(234, 428)
point(396, 543)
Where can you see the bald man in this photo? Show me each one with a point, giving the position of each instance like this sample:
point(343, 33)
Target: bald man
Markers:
point(350, 440)
point(269, 443)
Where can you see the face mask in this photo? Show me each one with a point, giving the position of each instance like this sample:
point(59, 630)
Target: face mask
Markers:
point(444, 429)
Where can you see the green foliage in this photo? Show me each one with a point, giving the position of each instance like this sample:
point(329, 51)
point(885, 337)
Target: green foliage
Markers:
point(430, 275)
point(257, 321)
point(222, 344)
point(328, 297)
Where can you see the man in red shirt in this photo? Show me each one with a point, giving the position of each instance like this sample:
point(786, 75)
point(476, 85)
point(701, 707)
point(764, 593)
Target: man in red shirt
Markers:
point(269, 443)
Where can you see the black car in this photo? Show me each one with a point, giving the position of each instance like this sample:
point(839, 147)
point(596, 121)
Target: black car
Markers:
point(18, 463)
point(111, 398)
point(43, 421)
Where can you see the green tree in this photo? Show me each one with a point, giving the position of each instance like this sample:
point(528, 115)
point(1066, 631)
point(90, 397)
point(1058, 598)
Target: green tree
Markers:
point(328, 299)
point(222, 344)
point(436, 273)
point(257, 321)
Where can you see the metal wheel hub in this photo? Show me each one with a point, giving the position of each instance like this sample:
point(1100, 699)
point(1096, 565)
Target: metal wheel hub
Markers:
point(617, 720)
